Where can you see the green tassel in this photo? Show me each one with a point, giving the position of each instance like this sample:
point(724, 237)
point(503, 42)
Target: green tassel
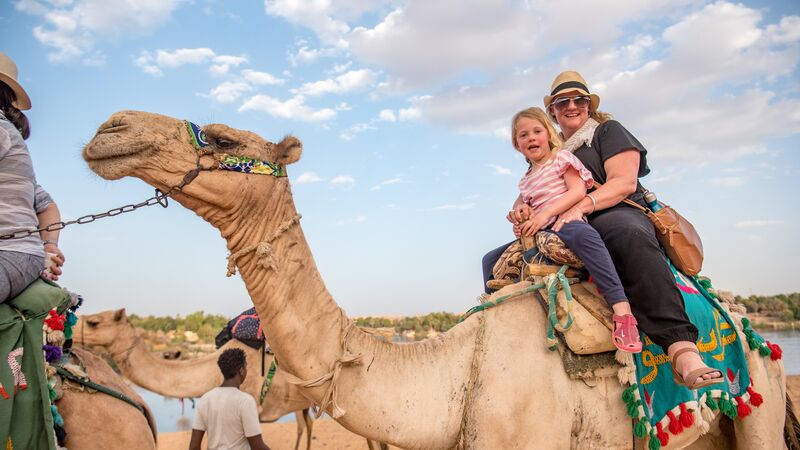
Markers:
point(627, 394)
point(52, 393)
point(711, 403)
point(654, 444)
point(633, 408)
point(745, 323)
point(640, 429)
point(763, 350)
point(727, 407)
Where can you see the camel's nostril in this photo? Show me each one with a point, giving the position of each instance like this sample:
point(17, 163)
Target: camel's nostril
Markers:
point(113, 125)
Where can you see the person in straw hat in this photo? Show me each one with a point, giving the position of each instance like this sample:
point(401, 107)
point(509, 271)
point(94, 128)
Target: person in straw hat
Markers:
point(24, 205)
point(616, 159)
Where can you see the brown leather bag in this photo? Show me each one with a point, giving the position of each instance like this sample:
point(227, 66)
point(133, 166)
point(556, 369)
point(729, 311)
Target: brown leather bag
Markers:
point(677, 236)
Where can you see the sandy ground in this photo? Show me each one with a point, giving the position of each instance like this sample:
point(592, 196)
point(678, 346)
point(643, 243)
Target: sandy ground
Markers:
point(281, 436)
point(330, 435)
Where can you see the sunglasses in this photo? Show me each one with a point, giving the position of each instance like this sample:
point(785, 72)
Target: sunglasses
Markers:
point(581, 101)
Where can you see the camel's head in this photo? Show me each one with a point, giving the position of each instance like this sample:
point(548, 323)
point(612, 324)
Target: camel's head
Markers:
point(161, 151)
point(101, 329)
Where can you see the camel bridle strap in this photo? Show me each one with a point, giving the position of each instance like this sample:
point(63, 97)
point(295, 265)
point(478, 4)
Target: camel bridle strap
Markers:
point(235, 163)
point(263, 249)
point(126, 354)
point(86, 381)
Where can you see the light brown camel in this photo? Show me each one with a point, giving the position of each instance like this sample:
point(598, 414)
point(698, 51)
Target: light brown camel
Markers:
point(488, 383)
point(95, 420)
point(190, 378)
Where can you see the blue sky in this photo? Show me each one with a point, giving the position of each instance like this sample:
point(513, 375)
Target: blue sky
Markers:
point(403, 109)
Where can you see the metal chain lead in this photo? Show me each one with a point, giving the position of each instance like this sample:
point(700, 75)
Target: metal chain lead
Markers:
point(160, 198)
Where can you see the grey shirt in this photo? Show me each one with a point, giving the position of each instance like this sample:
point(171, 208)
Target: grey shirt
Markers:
point(21, 198)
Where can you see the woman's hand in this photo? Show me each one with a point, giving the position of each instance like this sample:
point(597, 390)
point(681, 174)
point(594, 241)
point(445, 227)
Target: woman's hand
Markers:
point(54, 261)
point(567, 216)
point(517, 231)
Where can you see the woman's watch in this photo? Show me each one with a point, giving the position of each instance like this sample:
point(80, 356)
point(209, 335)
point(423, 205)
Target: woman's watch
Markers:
point(50, 242)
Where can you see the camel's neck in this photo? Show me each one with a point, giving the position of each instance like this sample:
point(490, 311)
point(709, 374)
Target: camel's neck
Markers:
point(302, 322)
point(181, 379)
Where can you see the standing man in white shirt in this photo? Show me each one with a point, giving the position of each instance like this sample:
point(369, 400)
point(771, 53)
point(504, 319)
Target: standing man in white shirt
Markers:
point(229, 415)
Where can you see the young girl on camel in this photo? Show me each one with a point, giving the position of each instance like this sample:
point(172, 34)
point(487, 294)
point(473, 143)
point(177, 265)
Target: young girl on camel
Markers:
point(555, 182)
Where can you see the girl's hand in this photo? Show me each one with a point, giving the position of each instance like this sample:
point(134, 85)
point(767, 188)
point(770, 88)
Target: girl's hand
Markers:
point(534, 224)
point(567, 216)
point(519, 214)
point(517, 231)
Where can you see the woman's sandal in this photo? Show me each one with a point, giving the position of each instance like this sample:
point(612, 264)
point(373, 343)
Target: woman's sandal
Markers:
point(696, 375)
point(626, 335)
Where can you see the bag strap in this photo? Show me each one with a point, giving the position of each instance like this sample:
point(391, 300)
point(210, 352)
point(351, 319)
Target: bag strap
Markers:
point(626, 200)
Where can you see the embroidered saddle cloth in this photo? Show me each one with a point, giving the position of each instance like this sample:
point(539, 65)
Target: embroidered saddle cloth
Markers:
point(663, 404)
point(246, 327)
point(25, 417)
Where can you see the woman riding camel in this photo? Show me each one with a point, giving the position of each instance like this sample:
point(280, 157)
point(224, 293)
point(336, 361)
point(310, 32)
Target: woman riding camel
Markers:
point(24, 205)
point(616, 159)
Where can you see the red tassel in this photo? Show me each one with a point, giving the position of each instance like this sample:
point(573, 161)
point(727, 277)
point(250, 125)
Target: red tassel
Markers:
point(55, 321)
point(662, 436)
point(675, 426)
point(777, 352)
point(687, 418)
point(755, 398)
point(742, 408)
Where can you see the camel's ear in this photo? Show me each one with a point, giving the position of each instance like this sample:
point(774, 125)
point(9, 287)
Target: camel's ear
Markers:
point(289, 150)
point(119, 314)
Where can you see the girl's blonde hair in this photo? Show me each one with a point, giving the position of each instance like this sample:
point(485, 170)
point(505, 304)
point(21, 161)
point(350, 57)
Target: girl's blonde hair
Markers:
point(536, 113)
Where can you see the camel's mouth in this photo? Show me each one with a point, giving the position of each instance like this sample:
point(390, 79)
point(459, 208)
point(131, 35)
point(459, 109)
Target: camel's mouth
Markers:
point(114, 139)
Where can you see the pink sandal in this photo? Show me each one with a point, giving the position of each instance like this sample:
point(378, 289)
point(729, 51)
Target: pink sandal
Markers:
point(626, 335)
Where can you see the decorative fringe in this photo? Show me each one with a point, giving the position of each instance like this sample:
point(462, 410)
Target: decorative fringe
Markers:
point(711, 403)
point(741, 408)
point(640, 429)
point(55, 321)
point(687, 418)
point(777, 352)
point(663, 437)
point(56, 337)
point(675, 426)
point(52, 353)
point(727, 406)
point(57, 419)
point(755, 398)
point(72, 320)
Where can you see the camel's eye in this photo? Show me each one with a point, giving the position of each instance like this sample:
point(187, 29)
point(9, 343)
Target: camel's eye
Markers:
point(92, 323)
point(224, 143)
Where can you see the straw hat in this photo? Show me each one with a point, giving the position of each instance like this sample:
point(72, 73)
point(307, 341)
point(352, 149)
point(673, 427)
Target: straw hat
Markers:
point(8, 75)
point(570, 81)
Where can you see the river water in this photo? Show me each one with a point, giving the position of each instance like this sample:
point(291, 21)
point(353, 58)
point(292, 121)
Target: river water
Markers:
point(171, 415)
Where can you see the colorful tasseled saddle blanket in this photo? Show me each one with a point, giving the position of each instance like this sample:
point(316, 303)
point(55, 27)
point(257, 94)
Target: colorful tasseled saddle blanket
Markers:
point(659, 405)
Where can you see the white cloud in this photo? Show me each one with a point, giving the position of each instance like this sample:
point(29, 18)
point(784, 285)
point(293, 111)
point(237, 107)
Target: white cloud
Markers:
point(293, 108)
point(154, 63)
point(261, 78)
point(223, 63)
point(728, 182)
point(351, 132)
point(387, 115)
point(757, 223)
point(229, 91)
point(499, 170)
point(70, 28)
point(343, 180)
point(406, 114)
point(354, 80)
point(308, 177)
point(388, 182)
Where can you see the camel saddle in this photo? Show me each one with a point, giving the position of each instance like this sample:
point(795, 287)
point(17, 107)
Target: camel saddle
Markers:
point(536, 258)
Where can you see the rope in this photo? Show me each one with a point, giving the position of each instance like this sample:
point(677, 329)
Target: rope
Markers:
point(263, 249)
point(552, 281)
point(331, 395)
point(98, 387)
point(267, 381)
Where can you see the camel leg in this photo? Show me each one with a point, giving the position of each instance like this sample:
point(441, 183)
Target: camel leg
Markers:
point(309, 428)
point(370, 445)
point(765, 425)
point(300, 427)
